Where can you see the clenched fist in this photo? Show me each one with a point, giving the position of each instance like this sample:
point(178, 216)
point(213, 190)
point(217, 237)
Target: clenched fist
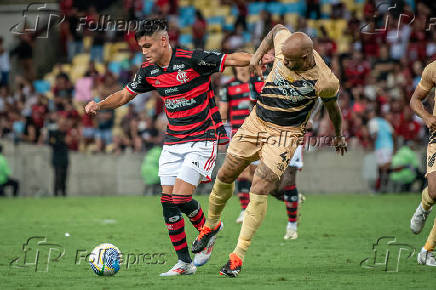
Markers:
point(91, 108)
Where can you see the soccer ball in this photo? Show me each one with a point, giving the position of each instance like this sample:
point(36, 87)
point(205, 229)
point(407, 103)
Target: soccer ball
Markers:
point(105, 260)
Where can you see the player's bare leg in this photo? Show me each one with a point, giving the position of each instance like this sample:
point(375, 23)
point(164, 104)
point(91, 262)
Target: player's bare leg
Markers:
point(424, 208)
point(221, 192)
point(264, 181)
point(243, 185)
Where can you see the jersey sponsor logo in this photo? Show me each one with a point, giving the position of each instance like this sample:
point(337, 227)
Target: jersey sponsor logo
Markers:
point(179, 103)
point(133, 85)
point(182, 77)
point(431, 160)
point(154, 71)
point(295, 94)
point(178, 66)
point(213, 52)
point(170, 90)
point(203, 63)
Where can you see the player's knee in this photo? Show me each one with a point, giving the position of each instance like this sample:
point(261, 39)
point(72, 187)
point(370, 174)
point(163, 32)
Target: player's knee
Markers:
point(226, 175)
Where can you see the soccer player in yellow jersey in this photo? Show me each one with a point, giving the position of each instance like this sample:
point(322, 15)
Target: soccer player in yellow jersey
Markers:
point(428, 82)
point(272, 132)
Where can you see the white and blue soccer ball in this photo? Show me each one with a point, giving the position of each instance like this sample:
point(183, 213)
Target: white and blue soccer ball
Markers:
point(105, 259)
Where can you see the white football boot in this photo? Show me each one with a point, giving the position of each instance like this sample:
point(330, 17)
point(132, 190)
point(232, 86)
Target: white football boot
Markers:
point(418, 219)
point(203, 257)
point(426, 258)
point(240, 218)
point(291, 231)
point(181, 268)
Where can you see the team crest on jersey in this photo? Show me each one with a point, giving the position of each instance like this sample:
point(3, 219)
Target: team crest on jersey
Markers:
point(182, 77)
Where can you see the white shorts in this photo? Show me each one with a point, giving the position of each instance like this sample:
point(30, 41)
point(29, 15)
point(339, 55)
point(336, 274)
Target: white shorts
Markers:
point(296, 160)
point(192, 162)
point(383, 156)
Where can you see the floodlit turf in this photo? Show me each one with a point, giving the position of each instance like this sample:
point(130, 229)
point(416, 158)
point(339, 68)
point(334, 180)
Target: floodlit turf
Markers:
point(336, 233)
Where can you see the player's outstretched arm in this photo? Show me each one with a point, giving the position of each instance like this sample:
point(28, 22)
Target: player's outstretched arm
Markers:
point(266, 44)
point(416, 105)
point(113, 101)
point(336, 117)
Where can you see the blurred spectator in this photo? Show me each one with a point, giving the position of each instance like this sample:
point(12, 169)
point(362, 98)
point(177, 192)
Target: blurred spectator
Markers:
point(262, 27)
point(382, 132)
point(149, 171)
point(4, 65)
point(242, 14)
point(313, 7)
point(405, 169)
point(24, 53)
point(59, 141)
point(199, 29)
point(5, 179)
point(75, 35)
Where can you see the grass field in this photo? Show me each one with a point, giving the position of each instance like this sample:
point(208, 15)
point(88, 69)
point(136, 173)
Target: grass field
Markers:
point(336, 233)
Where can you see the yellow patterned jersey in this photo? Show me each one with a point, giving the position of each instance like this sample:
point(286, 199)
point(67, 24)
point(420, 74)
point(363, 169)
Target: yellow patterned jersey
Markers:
point(289, 97)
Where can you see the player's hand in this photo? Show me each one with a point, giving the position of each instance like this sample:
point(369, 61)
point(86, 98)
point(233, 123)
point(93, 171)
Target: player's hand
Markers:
point(91, 108)
point(341, 145)
point(431, 123)
point(309, 126)
point(267, 58)
point(256, 68)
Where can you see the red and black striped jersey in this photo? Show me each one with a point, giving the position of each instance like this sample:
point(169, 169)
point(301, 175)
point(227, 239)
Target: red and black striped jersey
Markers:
point(239, 97)
point(185, 88)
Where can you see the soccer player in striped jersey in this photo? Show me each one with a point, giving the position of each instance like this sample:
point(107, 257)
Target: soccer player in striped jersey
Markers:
point(427, 83)
point(182, 78)
point(237, 98)
point(272, 133)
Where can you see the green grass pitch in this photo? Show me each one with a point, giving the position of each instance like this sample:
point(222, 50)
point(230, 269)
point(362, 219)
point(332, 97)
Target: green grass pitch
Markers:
point(336, 233)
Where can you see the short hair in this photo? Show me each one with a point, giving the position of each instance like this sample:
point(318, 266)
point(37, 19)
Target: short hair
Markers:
point(149, 26)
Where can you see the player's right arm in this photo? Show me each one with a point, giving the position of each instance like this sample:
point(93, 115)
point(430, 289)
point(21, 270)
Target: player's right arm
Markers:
point(113, 101)
point(139, 85)
point(266, 44)
point(420, 94)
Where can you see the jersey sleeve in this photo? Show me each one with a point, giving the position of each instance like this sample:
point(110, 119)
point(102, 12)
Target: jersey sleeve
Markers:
point(428, 77)
point(139, 84)
point(208, 62)
point(279, 39)
point(256, 85)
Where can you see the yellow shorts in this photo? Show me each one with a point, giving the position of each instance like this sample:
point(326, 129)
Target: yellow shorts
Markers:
point(274, 146)
point(431, 158)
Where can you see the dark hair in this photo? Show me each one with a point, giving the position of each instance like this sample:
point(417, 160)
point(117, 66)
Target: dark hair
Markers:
point(149, 26)
point(1, 148)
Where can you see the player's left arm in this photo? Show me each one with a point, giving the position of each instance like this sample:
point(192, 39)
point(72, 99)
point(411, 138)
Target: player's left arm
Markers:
point(336, 117)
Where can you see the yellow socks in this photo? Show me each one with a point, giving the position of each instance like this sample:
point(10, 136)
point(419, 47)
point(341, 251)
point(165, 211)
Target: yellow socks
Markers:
point(431, 240)
point(221, 192)
point(253, 217)
point(427, 201)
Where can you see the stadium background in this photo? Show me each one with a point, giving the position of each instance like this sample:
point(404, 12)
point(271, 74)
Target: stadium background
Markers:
point(47, 80)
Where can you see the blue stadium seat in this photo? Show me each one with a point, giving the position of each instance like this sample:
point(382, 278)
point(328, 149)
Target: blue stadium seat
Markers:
point(41, 86)
point(256, 7)
point(294, 8)
point(186, 16)
point(215, 20)
point(275, 8)
point(185, 39)
point(137, 59)
point(115, 67)
point(247, 37)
